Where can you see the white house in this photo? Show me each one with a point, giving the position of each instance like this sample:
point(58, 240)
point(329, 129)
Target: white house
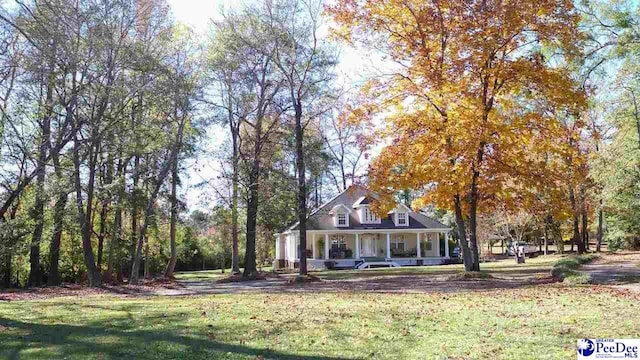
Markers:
point(345, 232)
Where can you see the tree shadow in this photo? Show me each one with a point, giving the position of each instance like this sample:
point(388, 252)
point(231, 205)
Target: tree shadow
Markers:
point(88, 341)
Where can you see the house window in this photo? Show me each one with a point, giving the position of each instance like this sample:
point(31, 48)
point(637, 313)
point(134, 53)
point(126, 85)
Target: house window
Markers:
point(342, 219)
point(398, 243)
point(427, 243)
point(370, 217)
point(402, 218)
point(339, 248)
point(338, 242)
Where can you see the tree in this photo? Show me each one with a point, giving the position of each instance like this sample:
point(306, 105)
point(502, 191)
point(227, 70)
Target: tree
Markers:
point(306, 67)
point(456, 104)
point(346, 143)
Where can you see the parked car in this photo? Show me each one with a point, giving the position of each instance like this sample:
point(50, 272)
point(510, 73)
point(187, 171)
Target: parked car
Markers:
point(529, 250)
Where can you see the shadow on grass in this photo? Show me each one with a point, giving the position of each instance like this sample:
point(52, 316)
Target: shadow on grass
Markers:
point(58, 341)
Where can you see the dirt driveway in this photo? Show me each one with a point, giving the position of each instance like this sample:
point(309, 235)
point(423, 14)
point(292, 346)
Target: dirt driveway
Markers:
point(444, 278)
point(621, 270)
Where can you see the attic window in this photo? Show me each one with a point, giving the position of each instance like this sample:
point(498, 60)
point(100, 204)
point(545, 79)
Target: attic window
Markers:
point(342, 219)
point(402, 219)
point(370, 217)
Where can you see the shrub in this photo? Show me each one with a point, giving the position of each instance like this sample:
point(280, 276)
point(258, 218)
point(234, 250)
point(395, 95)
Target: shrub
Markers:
point(618, 240)
point(565, 269)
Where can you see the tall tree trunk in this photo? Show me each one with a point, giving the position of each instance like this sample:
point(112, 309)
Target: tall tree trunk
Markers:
point(462, 234)
point(250, 270)
point(546, 234)
point(58, 225)
point(557, 231)
point(107, 179)
point(171, 265)
point(302, 188)
point(473, 214)
point(85, 218)
point(583, 213)
point(35, 276)
point(134, 208)
point(13, 238)
point(147, 253)
point(104, 211)
point(600, 228)
point(7, 268)
point(577, 240)
point(235, 258)
point(116, 231)
point(147, 256)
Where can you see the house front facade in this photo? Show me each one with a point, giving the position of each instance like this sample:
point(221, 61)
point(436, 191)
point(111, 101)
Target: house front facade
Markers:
point(345, 232)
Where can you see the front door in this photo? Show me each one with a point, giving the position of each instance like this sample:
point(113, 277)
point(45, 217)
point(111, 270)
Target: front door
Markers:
point(368, 246)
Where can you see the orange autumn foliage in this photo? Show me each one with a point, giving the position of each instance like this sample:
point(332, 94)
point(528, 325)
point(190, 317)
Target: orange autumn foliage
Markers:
point(473, 110)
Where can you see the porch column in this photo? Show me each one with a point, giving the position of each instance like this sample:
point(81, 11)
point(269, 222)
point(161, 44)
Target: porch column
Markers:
point(419, 253)
point(326, 246)
point(388, 245)
point(446, 245)
point(314, 251)
point(357, 246)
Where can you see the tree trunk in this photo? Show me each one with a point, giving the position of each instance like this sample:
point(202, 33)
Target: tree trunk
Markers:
point(134, 209)
point(577, 240)
point(85, 218)
point(38, 213)
point(462, 234)
point(473, 209)
point(7, 269)
point(250, 270)
point(147, 254)
point(558, 236)
point(600, 228)
point(302, 188)
point(171, 265)
point(585, 219)
point(235, 258)
point(104, 211)
point(58, 224)
point(117, 224)
point(546, 235)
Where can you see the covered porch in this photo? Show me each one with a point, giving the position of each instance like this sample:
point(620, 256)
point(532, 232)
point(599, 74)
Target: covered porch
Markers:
point(347, 248)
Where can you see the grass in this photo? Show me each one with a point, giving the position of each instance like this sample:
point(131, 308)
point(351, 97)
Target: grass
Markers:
point(498, 269)
point(566, 269)
point(507, 324)
point(526, 322)
point(209, 274)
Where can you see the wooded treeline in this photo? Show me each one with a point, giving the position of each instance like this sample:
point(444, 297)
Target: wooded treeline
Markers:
point(104, 107)
point(522, 125)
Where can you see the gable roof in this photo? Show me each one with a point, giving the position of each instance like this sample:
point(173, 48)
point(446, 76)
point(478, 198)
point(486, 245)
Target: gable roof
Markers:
point(361, 201)
point(322, 219)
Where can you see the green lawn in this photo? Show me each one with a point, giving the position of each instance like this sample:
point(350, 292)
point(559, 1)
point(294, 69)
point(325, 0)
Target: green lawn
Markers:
point(522, 323)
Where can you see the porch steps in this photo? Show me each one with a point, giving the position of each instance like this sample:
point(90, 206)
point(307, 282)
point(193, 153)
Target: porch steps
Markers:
point(370, 264)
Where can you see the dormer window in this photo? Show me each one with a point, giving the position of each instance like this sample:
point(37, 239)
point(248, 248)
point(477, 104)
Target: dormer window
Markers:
point(401, 219)
point(342, 219)
point(340, 215)
point(370, 217)
point(401, 215)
